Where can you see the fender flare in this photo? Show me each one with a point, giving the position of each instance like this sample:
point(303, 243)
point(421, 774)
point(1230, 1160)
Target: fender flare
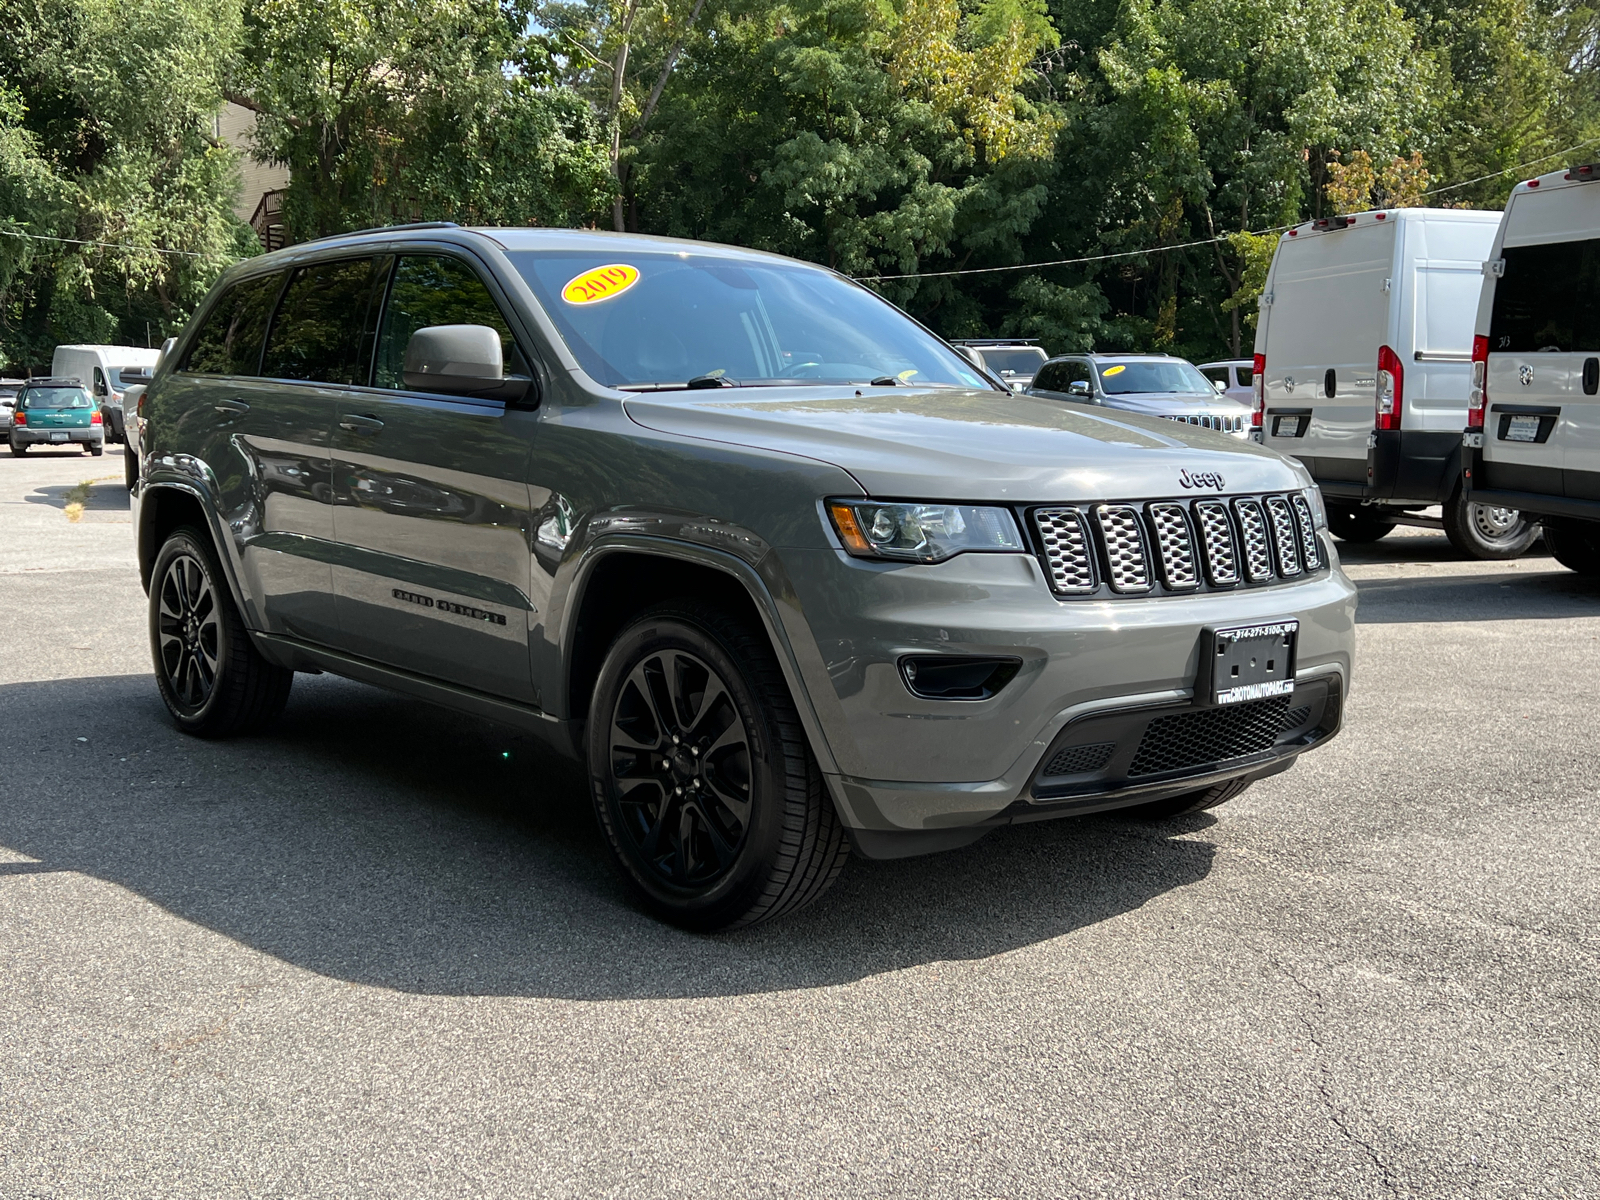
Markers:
point(742, 572)
point(147, 549)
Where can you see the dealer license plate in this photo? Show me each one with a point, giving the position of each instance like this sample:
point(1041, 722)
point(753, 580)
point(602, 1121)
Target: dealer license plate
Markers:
point(1522, 429)
point(58, 437)
point(1250, 662)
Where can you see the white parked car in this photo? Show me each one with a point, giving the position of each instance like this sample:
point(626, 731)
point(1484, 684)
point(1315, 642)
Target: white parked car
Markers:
point(100, 369)
point(1533, 415)
point(1362, 363)
point(1157, 385)
point(138, 381)
point(1232, 378)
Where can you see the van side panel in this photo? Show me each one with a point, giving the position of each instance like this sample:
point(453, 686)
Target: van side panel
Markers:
point(1442, 288)
point(1329, 311)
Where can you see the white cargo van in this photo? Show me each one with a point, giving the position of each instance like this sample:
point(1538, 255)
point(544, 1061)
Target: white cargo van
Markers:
point(1533, 418)
point(1362, 364)
point(99, 368)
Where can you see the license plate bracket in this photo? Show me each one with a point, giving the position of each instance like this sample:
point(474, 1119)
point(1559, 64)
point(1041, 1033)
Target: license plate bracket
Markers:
point(58, 437)
point(1247, 662)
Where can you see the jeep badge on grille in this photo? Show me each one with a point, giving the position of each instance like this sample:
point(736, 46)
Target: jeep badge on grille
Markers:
point(1200, 479)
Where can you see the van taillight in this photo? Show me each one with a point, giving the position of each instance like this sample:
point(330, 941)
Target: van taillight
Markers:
point(1391, 388)
point(1258, 386)
point(1478, 396)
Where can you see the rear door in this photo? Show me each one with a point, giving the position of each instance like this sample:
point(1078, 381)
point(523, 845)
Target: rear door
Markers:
point(433, 514)
point(1542, 427)
point(1331, 297)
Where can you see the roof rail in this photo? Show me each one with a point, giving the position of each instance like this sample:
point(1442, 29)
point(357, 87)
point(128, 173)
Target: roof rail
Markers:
point(382, 229)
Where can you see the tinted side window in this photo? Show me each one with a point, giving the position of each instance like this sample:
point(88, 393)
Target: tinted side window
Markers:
point(429, 290)
point(229, 343)
point(1077, 372)
point(1244, 375)
point(1216, 374)
point(317, 334)
point(1048, 378)
point(1548, 299)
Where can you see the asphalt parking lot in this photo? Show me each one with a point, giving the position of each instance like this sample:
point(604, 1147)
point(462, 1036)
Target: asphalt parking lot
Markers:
point(378, 952)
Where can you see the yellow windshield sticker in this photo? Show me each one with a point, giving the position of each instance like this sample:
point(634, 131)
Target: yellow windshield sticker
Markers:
point(1109, 371)
point(601, 283)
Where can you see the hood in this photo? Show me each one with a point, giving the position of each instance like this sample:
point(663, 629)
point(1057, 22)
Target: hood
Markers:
point(969, 445)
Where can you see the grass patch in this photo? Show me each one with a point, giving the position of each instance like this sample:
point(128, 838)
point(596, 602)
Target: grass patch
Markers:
point(79, 496)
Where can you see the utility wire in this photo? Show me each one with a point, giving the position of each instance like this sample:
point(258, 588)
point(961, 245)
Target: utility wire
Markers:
point(1512, 170)
point(44, 237)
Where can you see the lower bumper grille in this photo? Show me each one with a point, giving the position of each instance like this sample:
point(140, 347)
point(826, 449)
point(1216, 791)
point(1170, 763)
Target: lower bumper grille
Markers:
point(1208, 735)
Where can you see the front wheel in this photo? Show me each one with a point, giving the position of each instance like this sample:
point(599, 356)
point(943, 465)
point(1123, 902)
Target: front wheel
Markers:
point(704, 785)
point(1349, 523)
point(1575, 545)
point(212, 678)
point(1487, 531)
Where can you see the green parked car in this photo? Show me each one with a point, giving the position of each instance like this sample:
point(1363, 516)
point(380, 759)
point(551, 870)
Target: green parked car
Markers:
point(56, 412)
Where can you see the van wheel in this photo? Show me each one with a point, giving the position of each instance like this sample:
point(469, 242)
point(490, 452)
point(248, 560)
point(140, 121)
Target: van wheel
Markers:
point(212, 678)
point(1487, 531)
point(1575, 545)
point(704, 785)
point(1349, 523)
point(1189, 802)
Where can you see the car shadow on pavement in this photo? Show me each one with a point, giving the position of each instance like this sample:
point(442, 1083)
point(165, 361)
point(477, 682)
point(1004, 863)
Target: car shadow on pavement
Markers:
point(1496, 596)
point(383, 841)
point(106, 496)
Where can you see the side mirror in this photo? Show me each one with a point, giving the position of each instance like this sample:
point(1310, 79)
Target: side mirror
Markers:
point(1078, 387)
point(134, 376)
point(1219, 385)
point(461, 360)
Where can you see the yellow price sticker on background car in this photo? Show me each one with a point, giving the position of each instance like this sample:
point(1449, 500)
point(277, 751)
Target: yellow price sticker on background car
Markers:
point(1116, 370)
point(599, 284)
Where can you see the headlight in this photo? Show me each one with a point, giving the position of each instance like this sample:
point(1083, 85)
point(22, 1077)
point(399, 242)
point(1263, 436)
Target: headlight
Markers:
point(925, 533)
point(1319, 510)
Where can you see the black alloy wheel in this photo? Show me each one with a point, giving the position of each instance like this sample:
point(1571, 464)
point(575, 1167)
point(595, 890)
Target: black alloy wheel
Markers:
point(704, 785)
point(212, 678)
point(680, 762)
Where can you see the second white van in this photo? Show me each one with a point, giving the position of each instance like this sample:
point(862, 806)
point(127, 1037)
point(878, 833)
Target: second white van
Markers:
point(100, 368)
point(1362, 366)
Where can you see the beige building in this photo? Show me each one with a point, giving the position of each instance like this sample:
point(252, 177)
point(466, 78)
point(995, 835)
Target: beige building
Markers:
point(261, 197)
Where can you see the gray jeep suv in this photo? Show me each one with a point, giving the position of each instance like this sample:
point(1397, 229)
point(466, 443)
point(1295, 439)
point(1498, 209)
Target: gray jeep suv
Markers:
point(782, 566)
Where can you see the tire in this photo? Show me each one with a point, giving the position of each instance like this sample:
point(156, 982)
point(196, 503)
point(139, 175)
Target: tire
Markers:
point(1356, 525)
point(18, 449)
point(130, 466)
point(95, 450)
point(1188, 802)
point(1575, 545)
point(214, 681)
point(1487, 531)
point(720, 868)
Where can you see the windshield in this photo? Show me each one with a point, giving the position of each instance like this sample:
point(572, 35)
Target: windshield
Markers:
point(1122, 379)
point(1013, 362)
point(662, 319)
point(56, 397)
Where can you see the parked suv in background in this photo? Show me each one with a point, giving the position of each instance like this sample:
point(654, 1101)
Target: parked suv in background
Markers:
point(55, 412)
point(1232, 379)
point(1010, 360)
point(1157, 385)
point(1533, 414)
point(780, 564)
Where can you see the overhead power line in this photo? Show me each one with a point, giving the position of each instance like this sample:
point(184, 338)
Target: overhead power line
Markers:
point(1450, 187)
point(45, 237)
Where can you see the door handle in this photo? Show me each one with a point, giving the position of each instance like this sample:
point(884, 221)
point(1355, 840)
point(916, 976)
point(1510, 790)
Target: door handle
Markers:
point(1591, 376)
point(359, 424)
point(230, 407)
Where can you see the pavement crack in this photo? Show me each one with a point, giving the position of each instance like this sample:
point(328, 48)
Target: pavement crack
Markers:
point(177, 1046)
point(1323, 1080)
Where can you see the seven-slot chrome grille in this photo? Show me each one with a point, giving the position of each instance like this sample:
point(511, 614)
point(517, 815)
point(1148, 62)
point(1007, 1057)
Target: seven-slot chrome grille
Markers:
point(1227, 424)
point(1135, 549)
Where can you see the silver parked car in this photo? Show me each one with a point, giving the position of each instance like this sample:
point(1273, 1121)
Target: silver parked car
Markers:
point(1157, 385)
point(786, 570)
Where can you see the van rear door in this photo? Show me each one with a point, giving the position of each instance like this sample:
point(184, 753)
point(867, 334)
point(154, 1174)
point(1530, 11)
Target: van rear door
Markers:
point(1542, 427)
point(1330, 308)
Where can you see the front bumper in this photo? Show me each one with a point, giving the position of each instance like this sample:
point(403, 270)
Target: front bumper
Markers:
point(94, 435)
point(906, 764)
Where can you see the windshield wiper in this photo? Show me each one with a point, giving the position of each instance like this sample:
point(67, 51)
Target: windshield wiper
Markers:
point(711, 379)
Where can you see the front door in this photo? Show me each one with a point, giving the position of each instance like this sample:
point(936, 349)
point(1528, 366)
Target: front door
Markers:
point(432, 506)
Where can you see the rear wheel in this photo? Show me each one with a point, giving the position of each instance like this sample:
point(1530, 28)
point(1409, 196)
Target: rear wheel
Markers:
point(704, 785)
point(1487, 531)
point(95, 448)
point(18, 448)
point(1188, 802)
point(1575, 545)
point(130, 466)
point(1350, 523)
point(212, 678)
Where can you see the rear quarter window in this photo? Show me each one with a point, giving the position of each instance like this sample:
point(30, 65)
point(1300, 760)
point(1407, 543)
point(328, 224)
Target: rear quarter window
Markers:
point(1548, 299)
